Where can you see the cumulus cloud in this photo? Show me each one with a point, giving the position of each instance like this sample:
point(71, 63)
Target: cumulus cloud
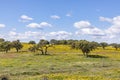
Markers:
point(105, 19)
point(60, 35)
point(45, 24)
point(116, 21)
point(33, 25)
point(90, 31)
point(114, 30)
point(2, 25)
point(34, 35)
point(26, 35)
point(37, 25)
point(25, 18)
point(82, 24)
point(55, 17)
point(14, 35)
point(85, 28)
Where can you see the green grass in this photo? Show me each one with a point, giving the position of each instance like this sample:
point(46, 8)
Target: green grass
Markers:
point(62, 63)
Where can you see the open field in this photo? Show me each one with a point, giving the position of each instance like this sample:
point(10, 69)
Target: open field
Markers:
point(62, 63)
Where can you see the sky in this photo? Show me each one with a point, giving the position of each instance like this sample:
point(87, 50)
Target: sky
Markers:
point(93, 20)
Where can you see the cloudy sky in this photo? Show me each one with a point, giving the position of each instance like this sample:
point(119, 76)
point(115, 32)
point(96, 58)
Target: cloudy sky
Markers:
point(93, 20)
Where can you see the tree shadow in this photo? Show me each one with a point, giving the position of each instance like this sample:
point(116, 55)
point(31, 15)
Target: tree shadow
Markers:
point(39, 54)
point(97, 56)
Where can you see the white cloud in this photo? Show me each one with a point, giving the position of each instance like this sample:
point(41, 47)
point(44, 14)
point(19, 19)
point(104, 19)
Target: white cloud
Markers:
point(33, 25)
point(82, 24)
point(116, 21)
point(45, 24)
point(91, 31)
point(85, 28)
point(114, 30)
point(34, 35)
point(12, 33)
point(105, 19)
point(55, 17)
point(41, 25)
point(28, 35)
point(2, 25)
point(60, 35)
point(25, 18)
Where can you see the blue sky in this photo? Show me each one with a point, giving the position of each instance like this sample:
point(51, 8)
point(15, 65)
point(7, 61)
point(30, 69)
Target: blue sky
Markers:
point(93, 20)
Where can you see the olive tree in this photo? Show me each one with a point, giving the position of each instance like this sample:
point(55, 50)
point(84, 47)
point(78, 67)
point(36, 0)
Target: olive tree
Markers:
point(17, 45)
point(32, 42)
point(32, 48)
point(94, 45)
point(103, 44)
point(53, 41)
point(115, 45)
point(84, 46)
point(5, 46)
point(2, 40)
point(43, 46)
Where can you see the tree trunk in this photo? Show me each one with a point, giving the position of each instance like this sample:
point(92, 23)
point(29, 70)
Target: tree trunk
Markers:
point(104, 48)
point(83, 52)
point(46, 50)
point(42, 52)
point(86, 55)
point(17, 50)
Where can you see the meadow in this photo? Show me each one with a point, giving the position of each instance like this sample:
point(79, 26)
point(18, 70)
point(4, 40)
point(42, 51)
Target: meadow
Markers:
point(61, 63)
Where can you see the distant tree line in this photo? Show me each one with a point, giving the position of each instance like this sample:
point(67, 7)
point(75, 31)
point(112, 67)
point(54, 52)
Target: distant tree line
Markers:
point(85, 46)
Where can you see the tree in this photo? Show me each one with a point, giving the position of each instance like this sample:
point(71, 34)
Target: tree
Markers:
point(94, 45)
point(43, 46)
point(32, 42)
point(53, 41)
point(33, 48)
point(17, 45)
point(0, 46)
point(103, 44)
point(73, 45)
point(115, 45)
point(64, 42)
point(84, 46)
point(1, 40)
point(6, 46)
point(70, 41)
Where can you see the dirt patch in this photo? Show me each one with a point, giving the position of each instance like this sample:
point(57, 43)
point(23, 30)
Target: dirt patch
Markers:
point(8, 55)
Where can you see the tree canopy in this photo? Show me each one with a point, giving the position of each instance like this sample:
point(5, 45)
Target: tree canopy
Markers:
point(17, 45)
point(85, 46)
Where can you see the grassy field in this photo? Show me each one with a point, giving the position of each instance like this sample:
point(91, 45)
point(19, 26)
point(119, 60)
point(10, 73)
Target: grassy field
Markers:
point(62, 63)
